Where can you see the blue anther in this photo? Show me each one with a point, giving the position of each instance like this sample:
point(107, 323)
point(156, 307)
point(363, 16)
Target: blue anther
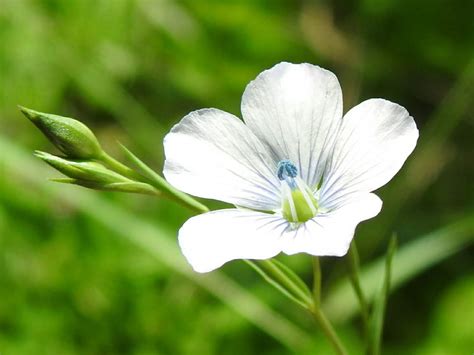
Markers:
point(286, 170)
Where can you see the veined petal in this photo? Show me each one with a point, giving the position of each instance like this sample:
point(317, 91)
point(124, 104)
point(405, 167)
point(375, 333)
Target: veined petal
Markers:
point(331, 233)
point(374, 141)
point(296, 110)
point(209, 240)
point(212, 154)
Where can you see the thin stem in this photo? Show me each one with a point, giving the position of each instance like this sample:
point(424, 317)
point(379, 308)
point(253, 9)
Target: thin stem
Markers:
point(318, 314)
point(316, 281)
point(328, 330)
point(286, 282)
point(291, 289)
point(158, 182)
point(178, 196)
point(120, 168)
point(273, 280)
point(353, 263)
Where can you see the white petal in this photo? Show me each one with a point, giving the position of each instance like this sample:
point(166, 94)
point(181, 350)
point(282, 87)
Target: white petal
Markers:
point(212, 239)
point(296, 109)
point(375, 139)
point(212, 154)
point(331, 233)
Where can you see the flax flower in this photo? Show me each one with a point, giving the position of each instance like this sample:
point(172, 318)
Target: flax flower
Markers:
point(299, 173)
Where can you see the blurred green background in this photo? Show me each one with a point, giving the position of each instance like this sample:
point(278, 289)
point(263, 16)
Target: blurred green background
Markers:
point(85, 272)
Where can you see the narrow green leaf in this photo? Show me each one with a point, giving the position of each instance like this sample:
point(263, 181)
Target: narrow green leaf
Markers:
point(377, 318)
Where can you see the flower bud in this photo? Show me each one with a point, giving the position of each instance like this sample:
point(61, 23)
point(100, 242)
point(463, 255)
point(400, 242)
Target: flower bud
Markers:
point(70, 136)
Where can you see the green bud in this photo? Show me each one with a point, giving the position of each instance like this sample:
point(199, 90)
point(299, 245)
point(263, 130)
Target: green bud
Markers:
point(70, 136)
point(82, 170)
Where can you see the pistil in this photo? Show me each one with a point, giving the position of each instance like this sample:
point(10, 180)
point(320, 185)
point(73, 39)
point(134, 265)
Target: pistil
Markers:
point(298, 202)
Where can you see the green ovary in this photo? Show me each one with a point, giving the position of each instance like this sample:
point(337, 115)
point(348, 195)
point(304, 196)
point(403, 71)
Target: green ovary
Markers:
point(304, 208)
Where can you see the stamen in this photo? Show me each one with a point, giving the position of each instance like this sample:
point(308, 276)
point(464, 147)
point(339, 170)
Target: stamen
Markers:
point(286, 169)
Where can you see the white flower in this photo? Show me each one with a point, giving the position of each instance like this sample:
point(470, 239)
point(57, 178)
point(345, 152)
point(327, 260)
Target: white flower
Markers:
point(300, 174)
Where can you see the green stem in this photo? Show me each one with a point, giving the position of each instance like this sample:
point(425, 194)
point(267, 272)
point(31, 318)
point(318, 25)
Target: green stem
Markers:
point(282, 279)
point(178, 196)
point(353, 264)
point(328, 330)
point(318, 314)
point(157, 181)
point(316, 281)
point(270, 278)
point(120, 168)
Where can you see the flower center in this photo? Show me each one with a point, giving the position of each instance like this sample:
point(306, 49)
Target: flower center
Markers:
point(298, 202)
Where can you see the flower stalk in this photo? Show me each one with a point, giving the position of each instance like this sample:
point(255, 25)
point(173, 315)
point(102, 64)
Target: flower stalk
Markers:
point(284, 280)
point(160, 183)
point(317, 312)
point(316, 281)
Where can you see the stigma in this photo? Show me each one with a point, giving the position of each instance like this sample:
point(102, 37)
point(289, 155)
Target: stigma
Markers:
point(298, 201)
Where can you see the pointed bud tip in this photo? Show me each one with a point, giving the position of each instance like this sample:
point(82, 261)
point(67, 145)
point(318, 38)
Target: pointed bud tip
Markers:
point(30, 114)
point(70, 136)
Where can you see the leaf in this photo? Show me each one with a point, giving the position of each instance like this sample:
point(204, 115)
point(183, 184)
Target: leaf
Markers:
point(377, 318)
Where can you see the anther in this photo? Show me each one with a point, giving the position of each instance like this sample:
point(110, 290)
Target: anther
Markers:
point(286, 169)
